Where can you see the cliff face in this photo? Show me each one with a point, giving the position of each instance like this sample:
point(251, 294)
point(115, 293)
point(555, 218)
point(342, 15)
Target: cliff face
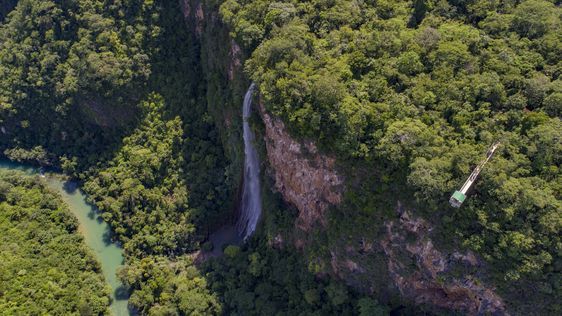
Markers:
point(221, 82)
point(193, 12)
point(309, 180)
point(426, 283)
point(306, 179)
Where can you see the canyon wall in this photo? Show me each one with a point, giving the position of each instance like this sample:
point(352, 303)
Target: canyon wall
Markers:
point(221, 84)
point(305, 178)
point(428, 282)
point(309, 180)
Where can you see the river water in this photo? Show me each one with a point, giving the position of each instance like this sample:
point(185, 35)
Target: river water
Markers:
point(95, 231)
point(97, 234)
point(250, 208)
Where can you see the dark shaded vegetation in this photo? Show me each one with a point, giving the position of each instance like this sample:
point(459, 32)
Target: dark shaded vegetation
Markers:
point(45, 266)
point(61, 63)
point(108, 91)
point(408, 95)
point(5, 7)
point(178, 76)
point(260, 280)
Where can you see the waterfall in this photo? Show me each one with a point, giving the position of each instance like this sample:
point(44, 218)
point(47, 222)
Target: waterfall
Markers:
point(250, 209)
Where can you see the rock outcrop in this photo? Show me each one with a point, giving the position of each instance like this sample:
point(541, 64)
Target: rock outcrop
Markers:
point(310, 181)
point(425, 283)
point(306, 178)
point(235, 63)
point(190, 7)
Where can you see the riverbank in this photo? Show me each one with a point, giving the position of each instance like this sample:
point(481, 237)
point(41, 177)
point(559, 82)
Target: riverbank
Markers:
point(96, 233)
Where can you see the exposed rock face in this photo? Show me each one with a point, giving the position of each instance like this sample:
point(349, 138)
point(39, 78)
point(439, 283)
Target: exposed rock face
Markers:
point(423, 283)
point(190, 7)
point(235, 63)
point(104, 114)
point(309, 181)
point(186, 8)
point(305, 178)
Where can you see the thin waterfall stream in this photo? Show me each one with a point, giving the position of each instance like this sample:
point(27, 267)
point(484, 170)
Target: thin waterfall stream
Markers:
point(250, 208)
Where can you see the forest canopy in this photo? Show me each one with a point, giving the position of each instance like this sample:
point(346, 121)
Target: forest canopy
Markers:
point(408, 95)
point(46, 267)
point(79, 91)
point(142, 192)
point(72, 72)
point(417, 91)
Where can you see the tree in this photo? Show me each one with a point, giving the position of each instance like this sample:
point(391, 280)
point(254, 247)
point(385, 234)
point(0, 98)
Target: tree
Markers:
point(142, 190)
point(533, 18)
point(368, 306)
point(69, 166)
point(404, 140)
point(65, 278)
point(164, 286)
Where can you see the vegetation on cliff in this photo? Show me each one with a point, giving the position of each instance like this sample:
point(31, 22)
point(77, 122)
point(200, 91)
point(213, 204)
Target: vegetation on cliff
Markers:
point(45, 266)
point(415, 92)
point(407, 95)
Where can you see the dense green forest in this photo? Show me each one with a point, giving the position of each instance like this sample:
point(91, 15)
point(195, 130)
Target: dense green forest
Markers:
point(146, 148)
point(142, 192)
point(45, 266)
point(263, 281)
point(77, 66)
point(416, 91)
point(127, 97)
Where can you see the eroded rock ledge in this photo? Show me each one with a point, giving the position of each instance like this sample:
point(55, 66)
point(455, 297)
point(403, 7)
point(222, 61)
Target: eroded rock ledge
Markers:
point(423, 283)
point(305, 178)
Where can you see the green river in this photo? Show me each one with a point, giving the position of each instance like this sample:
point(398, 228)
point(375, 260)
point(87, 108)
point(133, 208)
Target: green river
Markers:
point(95, 231)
